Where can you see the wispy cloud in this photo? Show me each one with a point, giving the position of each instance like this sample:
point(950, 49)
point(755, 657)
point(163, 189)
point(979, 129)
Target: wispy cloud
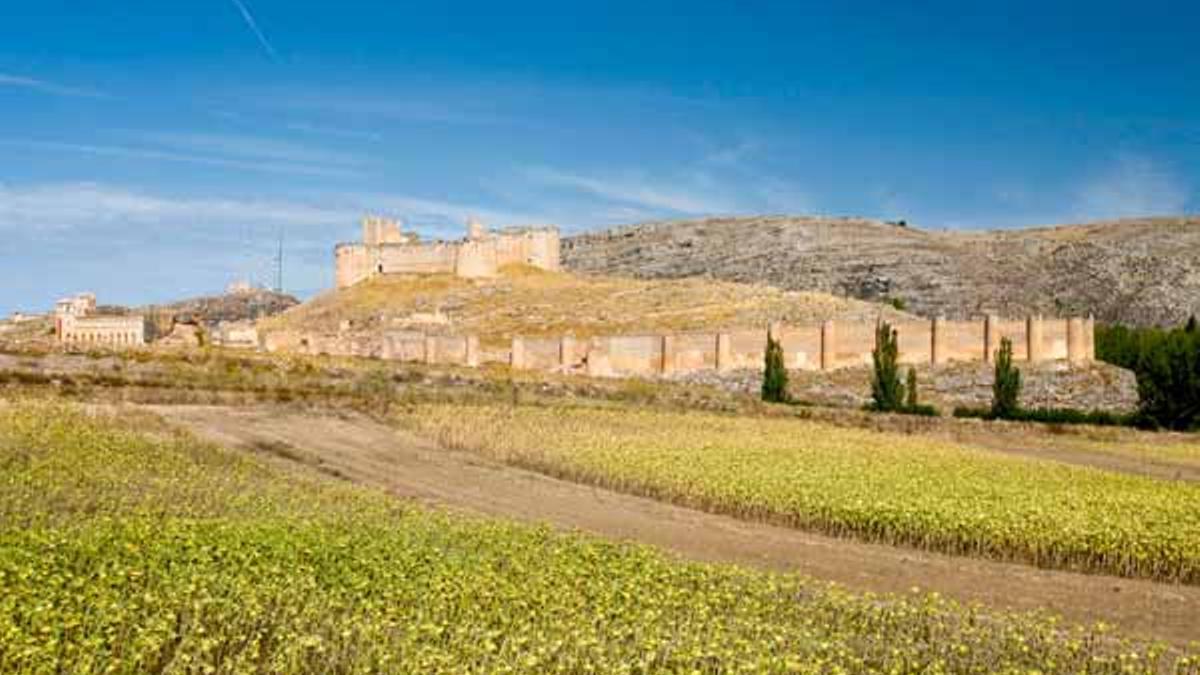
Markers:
point(213, 240)
point(253, 26)
point(358, 106)
point(733, 156)
point(7, 80)
point(634, 190)
point(132, 152)
point(241, 146)
point(334, 132)
point(83, 206)
point(1131, 186)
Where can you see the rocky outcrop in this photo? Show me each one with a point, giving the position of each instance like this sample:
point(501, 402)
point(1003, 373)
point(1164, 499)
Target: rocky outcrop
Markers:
point(1143, 272)
point(210, 311)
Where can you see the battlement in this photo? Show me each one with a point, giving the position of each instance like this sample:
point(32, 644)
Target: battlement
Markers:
point(386, 249)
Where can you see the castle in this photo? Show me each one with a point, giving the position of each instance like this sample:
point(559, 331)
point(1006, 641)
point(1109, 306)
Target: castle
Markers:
point(385, 249)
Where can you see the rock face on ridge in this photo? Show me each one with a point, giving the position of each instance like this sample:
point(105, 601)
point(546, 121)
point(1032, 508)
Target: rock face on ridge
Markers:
point(1138, 271)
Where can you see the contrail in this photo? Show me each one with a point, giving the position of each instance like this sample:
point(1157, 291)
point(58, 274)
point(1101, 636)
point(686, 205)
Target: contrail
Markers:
point(262, 39)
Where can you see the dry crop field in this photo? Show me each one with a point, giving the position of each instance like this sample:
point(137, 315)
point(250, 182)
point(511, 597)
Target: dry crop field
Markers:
point(885, 487)
point(126, 546)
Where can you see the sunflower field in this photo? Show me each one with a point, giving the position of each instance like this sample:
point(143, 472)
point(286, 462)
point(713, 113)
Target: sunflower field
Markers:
point(126, 547)
point(883, 487)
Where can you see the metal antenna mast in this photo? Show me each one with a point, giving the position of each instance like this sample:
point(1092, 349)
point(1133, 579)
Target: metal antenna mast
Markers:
point(279, 264)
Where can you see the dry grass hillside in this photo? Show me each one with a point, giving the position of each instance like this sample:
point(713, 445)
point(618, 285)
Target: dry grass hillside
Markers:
point(524, 301)
point(1143, 271)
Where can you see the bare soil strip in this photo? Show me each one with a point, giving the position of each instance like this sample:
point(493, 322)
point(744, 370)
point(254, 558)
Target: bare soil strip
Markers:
point(356, 448)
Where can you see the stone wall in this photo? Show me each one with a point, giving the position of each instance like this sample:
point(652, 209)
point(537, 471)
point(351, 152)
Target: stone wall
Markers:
point(438, 349)
point(820, 347)
point(236, 334)
point(109, 331)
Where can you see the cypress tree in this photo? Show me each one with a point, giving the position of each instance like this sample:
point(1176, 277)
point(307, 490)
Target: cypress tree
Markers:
point(911, 389)
point(774, 385)
point(1006, 387)
point(887, 392)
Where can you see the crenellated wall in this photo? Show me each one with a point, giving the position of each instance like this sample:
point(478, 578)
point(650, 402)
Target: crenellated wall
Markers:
point(826, 346)
point(833, 345)
point(386, 250)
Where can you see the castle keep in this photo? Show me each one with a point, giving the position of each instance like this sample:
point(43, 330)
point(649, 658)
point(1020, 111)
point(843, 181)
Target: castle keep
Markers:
point(385, 249)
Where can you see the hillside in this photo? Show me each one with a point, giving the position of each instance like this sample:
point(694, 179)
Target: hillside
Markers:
point(1136, 271)
point(523, 301)
point(211, 310)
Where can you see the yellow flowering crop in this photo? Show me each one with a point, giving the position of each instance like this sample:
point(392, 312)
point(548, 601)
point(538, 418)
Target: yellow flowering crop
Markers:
point(883, 487)
point(122, 552)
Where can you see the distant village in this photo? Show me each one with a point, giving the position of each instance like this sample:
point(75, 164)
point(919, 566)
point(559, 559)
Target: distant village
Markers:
point(80, 321)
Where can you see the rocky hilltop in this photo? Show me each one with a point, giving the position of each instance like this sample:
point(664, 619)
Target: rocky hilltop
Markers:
point(1144, 272)
point(256, 303)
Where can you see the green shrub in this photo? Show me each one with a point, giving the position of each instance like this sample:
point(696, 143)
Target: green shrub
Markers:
point(1006, 387)
point(920, 410)
point(1053, 416)
point(1168, 378)
point(375, 388)
point(887, 392)
point(774, 385)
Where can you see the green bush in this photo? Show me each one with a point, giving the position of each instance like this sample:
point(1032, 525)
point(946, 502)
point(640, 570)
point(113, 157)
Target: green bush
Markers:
point(1121, 345)
point(774, 385)
point(911, 389)
point(1168, 378)
point(1167, 365)
point(1006, 387)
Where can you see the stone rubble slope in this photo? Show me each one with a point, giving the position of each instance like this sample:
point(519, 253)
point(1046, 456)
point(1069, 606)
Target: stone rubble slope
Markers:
point(1138, 271)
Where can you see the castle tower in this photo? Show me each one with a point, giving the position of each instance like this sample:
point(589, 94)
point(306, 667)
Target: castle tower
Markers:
point(476, 230)
point(377, 230)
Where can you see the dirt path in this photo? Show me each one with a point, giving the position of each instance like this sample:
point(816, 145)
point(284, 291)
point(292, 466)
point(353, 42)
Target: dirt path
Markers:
point(358, 449)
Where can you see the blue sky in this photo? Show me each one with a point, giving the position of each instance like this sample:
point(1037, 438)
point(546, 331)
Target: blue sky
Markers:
point(151, 150)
